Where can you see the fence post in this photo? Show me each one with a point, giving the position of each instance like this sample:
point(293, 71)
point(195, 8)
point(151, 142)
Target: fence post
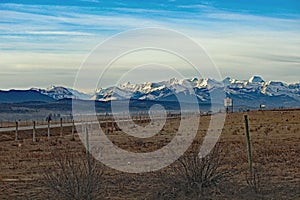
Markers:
point(49, 129)
point(17, 131)
point(61, 127)
point(34, 133)
point(73, 130)
point(87, 139)
point(139, 117)
point(127, 119)
point(106, 124)
point(248, 144)
point(88, 154)
point(82, 127)
point(119, 120)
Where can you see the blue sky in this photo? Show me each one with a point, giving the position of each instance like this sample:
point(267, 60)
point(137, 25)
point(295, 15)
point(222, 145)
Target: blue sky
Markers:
point(43, 42)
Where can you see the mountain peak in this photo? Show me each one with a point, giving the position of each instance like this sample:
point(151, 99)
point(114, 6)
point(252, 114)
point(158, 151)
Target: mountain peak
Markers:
point(52, 87)
point(194, 79)
point(227, 81)
point(244, 92)
point(256, 79)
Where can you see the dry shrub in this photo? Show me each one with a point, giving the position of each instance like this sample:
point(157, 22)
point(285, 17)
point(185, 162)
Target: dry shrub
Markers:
point(74, 177)
point(254, 181)
point(193, 177)
point(260, 182)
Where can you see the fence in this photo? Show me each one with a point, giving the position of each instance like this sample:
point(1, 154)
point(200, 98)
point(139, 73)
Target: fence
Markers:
point(107, 122)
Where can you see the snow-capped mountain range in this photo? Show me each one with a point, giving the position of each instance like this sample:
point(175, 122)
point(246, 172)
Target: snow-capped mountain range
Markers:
point(252, 92)
point(58, 93)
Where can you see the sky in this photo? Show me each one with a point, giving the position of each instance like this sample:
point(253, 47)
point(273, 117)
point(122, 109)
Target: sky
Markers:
point(44, 42)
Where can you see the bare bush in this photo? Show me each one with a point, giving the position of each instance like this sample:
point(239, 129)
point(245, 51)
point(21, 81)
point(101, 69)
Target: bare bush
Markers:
point(254, 181)
point(192, 177)
point(74, 177)
point(259, 181)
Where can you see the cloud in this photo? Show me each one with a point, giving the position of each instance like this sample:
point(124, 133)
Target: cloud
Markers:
point(91, 1)
point(241, 44)
point(71, 33)
point(198, 6)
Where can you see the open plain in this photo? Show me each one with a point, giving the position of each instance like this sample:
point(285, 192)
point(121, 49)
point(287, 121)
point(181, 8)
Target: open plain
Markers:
point(275, 139)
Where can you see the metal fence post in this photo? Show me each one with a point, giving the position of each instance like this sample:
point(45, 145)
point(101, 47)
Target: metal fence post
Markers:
point(34, 133)
point(248, 144)
point(17, 131)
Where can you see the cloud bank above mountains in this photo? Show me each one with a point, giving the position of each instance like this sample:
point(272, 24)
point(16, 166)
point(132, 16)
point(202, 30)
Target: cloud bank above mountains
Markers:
point(44, 42)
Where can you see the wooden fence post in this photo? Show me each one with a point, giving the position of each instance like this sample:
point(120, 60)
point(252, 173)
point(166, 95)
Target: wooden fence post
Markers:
point(34, 133)
point(120, 122)
point(61, 127)
point(88, 154)
point(49, 129)
point(87, 139)
point(82, 127)
point(128, 119)
point(106, 124)
point(73, 130)
point(17, 131)
point(140, 117)
point(248, 144)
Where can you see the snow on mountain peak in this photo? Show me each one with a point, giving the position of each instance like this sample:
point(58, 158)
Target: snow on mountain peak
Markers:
point(173, 81)
point(252, 89)
point(256, 79)
point(227, 81)
point(194, 79)
point(125, 84)
point(59, 92)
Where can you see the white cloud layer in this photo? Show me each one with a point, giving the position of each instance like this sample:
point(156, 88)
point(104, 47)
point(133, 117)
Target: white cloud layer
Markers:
point(55, 38)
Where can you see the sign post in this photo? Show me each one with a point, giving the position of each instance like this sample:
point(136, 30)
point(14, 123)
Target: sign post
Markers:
point(228, 104)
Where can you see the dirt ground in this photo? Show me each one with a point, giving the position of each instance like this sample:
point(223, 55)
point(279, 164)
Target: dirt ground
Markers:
point(275, 139)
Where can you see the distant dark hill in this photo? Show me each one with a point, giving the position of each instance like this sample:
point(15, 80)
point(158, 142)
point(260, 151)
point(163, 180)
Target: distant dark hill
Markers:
point(19, 96)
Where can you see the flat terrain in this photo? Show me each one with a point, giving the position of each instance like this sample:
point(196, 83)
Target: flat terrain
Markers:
point(275, 138)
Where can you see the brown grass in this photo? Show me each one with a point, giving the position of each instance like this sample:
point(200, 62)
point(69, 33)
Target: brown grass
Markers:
point(76, 176)
point(275, 139)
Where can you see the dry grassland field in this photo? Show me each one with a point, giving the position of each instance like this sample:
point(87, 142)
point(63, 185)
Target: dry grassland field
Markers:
point(275, 138)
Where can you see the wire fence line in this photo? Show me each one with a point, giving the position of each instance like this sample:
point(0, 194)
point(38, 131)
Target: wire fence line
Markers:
point(84, 118)
point(107, 122)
